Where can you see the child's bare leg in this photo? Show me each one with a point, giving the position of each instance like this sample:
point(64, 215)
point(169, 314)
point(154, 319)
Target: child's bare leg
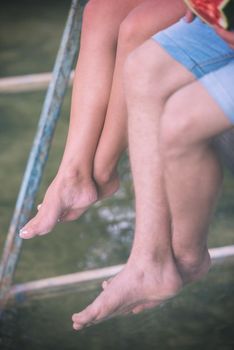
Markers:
point(73, 187)
point(143, 21)
point(113, 138)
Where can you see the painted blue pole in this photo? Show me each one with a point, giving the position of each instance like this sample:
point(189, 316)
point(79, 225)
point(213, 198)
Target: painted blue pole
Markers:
point(40, 148)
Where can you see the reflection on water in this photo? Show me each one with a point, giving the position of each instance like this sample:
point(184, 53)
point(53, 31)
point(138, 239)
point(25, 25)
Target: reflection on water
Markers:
point(199, 318)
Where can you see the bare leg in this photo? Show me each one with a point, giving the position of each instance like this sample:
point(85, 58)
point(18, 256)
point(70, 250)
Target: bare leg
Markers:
point(73, 187)
point(150, 275)
point(193, 173)
point(77, 165)
point(143, 21)
point(193, 177)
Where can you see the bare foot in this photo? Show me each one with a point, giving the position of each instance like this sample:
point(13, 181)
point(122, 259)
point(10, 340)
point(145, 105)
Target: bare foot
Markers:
point(134, 289)
point(66, 199)
point(191, 270)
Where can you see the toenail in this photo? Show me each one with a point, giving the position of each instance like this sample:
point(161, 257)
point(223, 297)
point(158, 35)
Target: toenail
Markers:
point(74, 317)
point(77, 326)
point(23, 233)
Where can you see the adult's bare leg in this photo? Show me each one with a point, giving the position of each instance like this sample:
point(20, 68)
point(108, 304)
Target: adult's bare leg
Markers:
point(73, 186)
point(193, 173)
point(150, 275)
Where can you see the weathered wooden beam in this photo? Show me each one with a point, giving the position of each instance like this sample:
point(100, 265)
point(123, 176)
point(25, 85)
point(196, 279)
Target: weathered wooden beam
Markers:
point(87, 280)
point(80, 281)
point(40, 148)
point(29, 82)
point(218, 255)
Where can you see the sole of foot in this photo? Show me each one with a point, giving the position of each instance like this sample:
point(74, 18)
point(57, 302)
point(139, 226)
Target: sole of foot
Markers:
point(131, 291)
point(66, 200)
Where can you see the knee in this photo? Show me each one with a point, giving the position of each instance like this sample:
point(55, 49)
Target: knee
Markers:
point(90, 11)
point(130, 33)
point(93, 7)
point(143, 73)
point(97, 12)
point(133, 66)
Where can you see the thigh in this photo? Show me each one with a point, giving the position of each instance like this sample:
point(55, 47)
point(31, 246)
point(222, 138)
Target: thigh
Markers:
point(196, 114)
point(205, 107)
point(107, 15)
point(151, 16)
point(196, 45)
point(152, 72)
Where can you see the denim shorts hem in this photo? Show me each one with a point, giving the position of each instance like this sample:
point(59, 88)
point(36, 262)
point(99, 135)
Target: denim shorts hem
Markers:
point(199, 49)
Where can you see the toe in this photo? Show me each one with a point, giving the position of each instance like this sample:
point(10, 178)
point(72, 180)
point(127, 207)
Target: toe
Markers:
point(72, 214)
point(39, 206)
point(77, 327)
point(142, 307)
point(25, 233)
point(138, 309)
point(42, 223)
point(84, 317)
point(101, 309)
point(106, 283)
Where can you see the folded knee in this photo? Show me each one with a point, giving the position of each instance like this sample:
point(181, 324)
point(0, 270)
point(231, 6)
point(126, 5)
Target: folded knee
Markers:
point(143, 73)
point(97, 15)
point(90, 11)
point(133, 66)
point(130, 33)
point(93, 7)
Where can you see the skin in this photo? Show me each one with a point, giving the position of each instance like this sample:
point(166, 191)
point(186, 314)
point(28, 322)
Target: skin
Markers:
point(226, 36)
point(169, 247)
point(166, 138)
point(97, 132)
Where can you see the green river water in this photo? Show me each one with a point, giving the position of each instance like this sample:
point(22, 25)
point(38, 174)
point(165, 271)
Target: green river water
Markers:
point(201, 317)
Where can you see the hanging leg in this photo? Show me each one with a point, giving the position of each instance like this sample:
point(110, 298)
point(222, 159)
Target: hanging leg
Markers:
point(79, 182)
point(150, 275)
point(74, 186)
point(193, 173)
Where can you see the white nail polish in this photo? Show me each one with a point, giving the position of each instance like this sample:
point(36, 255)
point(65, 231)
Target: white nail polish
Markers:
point(23, 232)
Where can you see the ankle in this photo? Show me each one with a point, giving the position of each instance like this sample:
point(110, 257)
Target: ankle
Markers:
point(104, 176)
point(74, 173)
point(107, 181)
point(148, 257)
point(193, 265)
point(162, 272)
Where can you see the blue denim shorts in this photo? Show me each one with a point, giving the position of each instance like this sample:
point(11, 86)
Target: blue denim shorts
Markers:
point(198, 48)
